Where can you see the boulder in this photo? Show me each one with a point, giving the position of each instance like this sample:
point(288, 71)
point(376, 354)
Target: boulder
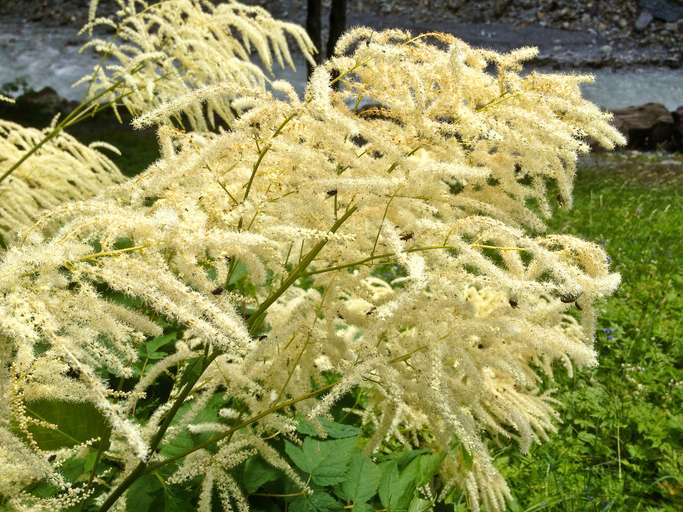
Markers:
point(646, 127)
point(665, 10)
point(45, 101)
point(678, 128)
point(36, 108)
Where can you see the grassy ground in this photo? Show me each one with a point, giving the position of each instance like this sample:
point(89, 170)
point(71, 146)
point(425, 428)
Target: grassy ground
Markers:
point(621, 445)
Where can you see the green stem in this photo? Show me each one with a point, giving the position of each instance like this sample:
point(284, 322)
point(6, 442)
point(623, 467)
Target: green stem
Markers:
point(377, 257)
point(295, 274)
point(274, 408)
point(264, 151)
point(219, 437)
point(74, 117)
point(143, 467)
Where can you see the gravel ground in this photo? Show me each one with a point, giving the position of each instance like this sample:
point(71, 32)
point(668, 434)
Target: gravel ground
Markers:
point(569, 33)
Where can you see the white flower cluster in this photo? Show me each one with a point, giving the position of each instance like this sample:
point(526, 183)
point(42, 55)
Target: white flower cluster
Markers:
point(163, 50)
point(389, 224)
point(62, 170)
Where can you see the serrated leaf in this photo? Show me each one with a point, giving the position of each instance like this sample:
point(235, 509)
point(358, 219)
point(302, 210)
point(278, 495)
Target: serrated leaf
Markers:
point(418, 504)
point(427, 467)
point(257, 473)
point(185, 440)
point(396, 489)
point(362, 479)
point(405, 458)
point(326, 461)
point(319, 501)
point(151, 493)
point(334, 430)
point(76, 423)
point(143, 493)
point(388, 479)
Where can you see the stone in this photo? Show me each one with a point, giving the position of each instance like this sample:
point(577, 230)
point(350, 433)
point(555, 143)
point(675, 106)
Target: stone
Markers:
point(454, 5)
point(664, 10)
point(678, 128)
point(646, 127)
point(500, 7)
point(644, 19)
point(45, 100)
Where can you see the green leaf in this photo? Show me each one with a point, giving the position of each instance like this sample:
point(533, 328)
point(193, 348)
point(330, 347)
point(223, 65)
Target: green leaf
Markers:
point(334, 430)
point(418, 504)
point(156, 343)
point(387, 482)
point(427, 467)
point(76, 423)
point(362, 480)
point(185, 440)
point(174, 500)
point(326, 461)
point(404, 458)
point(467, 459)
point(317, 502)
point(143, 493)
point(257, 473)
point(362, 507)
point(151, 493)
point(396, 490)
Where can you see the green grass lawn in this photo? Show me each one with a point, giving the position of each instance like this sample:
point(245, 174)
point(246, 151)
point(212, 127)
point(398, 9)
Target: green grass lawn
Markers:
point(620, 447)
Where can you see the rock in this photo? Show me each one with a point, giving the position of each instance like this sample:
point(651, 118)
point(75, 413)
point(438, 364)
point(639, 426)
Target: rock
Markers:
point(45, 101)
point(665, 10)
point(454, 5)
point(646, 127)
point(607, 49)
point(678, 128)
point(500, 7)
point(644, 19)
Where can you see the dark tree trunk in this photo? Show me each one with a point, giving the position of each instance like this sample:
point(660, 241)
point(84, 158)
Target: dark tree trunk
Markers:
point(337, 24)
point(314, 28)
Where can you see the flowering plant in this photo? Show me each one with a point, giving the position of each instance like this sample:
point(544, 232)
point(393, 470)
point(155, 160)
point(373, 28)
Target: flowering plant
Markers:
point(379, 237)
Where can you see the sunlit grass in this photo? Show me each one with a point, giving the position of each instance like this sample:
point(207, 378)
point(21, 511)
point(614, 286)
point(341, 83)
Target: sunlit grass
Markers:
point(621, 444)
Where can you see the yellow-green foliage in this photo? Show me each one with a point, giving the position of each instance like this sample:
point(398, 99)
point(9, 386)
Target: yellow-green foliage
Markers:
point(166, 49)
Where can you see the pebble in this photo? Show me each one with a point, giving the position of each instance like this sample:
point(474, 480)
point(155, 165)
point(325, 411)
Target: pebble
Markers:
point(643, 20)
